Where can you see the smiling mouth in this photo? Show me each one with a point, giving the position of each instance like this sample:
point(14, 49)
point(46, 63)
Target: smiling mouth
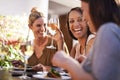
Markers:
point(41, 33)
point(77, 30)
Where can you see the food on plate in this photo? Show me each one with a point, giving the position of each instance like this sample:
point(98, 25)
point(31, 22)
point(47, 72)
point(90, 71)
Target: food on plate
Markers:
point(53, 73)
point(17, 63)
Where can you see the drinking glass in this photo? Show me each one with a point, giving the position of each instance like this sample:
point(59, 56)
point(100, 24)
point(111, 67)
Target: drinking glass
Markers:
point(52, 24)
point(26, 54)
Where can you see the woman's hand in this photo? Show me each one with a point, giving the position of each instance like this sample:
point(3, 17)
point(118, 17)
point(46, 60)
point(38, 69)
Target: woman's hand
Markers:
point(39, 67)
point(59, 38)
point(59, 35)
point(81, 58)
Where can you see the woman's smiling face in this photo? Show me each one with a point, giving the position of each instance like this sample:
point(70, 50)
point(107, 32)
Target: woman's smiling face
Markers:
point(77, 25)
point(39, 28)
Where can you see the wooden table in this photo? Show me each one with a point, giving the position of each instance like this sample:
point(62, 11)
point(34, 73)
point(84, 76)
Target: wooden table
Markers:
point(6, 75)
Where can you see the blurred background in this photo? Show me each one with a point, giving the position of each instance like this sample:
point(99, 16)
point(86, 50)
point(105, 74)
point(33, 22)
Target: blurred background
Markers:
point(14, 17)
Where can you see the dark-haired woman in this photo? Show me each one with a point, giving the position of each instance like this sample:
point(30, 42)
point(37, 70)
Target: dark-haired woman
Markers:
point(103, 61)
point(79, 30)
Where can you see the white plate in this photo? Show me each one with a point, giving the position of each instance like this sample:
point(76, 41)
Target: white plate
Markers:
point(48, 78)
point(42, 75)
point(17, 72)
point(42, 72)
point(22, 69)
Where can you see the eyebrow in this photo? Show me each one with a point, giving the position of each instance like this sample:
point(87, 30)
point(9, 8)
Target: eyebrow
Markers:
point(77, 17)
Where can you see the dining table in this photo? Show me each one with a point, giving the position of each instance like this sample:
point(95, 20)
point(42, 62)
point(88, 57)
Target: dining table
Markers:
point(8, 75)
point(14, 74)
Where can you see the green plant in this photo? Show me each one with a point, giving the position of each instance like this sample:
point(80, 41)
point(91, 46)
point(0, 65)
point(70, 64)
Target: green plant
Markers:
point(13, 30)
point(9, 53)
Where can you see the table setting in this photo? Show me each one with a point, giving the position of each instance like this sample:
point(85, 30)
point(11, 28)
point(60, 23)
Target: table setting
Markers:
point(16, 73)
point(54, 73)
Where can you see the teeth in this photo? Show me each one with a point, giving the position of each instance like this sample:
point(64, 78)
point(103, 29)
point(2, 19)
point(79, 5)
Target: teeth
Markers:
point(78, 29)
point(78, 32)
point(40, 32)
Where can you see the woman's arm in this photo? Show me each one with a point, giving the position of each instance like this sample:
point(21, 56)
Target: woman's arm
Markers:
point(71, 65)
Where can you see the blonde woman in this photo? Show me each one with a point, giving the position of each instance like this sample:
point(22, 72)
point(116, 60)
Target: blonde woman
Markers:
point(42, 56)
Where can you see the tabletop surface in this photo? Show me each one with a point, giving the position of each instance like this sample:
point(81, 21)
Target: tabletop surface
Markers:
point(7, 75)
point(15, 75)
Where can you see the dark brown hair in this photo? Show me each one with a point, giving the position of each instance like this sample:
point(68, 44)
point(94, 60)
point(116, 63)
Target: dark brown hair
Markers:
point(103, 11)
point(78, 9)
